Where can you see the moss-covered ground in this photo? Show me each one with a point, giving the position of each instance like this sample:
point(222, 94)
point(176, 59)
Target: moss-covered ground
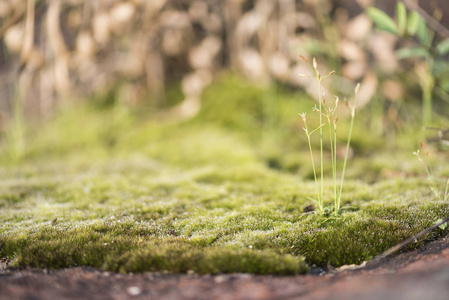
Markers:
point(223, 192)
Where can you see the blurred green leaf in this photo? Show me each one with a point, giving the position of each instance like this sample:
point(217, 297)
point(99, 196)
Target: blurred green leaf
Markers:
point(415, 52)
point(443, 47)
point(382, 20)
point(442, 226)
point(441, 68)
point(444, 85)
point(422, 32)
point(401, 17)
point(413, 22)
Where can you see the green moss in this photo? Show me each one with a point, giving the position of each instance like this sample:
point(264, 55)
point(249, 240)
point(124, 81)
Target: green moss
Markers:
point(224, 192)
point(182, 259)
point(129, 249)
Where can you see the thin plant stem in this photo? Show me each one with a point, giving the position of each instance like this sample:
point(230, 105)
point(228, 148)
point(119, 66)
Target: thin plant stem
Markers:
point(446, 193)
point(333, 156)
point(335, 165)
point(321, 145)
point(432, 181)
point(332, 150)
point(314, 170)
point(347, 147)
point(430, 174)
point(313, 161)
point(308, 134)
point(429, 171)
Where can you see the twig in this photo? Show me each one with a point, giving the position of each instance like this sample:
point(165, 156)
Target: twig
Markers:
point(409, 240)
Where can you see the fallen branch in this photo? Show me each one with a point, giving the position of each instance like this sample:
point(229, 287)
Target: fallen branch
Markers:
point(409, 240)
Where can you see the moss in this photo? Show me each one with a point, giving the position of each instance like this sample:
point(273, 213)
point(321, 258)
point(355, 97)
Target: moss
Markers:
point(125, 249)
point(224, 192)
point(227, 218)
point(182, 259)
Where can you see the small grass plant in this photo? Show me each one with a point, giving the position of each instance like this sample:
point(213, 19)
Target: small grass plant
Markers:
point(327, 113)
point(430, 174)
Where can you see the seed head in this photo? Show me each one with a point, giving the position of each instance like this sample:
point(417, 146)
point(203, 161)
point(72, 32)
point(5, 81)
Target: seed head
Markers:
point(337, 101)
point(335, 123)
point(331, 72)
point(315, 66)
point(419, 157)
point(303, 116)
point(303, 58)
point(424, 148)
point(357, 88)
point(323, 101)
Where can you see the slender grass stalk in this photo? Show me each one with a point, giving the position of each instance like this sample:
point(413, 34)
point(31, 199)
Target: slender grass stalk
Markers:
point(331, 139)
point(353, 110)
point(429, 171)
point(308, 134)
point(314, 175)
point(321, 136)
point(332, 124)
point(335, 159)
point(433, 182)
point(446, 193)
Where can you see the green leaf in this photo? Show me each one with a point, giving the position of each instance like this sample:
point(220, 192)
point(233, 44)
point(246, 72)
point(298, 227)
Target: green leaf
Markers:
point(422, 32)
point(416, 52)
point(442, 226)
point(382, 20)
point(441, 69)
point(401, 17)
point(444, 85)
point(413, 22)
point(443, 47)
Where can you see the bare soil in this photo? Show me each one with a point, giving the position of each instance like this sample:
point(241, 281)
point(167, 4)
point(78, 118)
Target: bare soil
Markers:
point(420, 274)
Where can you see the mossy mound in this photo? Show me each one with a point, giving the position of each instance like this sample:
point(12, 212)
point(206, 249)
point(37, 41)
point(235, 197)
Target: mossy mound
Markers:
point(223, 192)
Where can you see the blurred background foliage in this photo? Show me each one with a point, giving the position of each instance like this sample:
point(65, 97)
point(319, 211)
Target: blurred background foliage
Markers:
point(100, 72)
